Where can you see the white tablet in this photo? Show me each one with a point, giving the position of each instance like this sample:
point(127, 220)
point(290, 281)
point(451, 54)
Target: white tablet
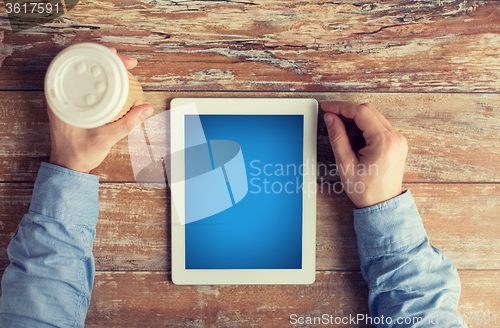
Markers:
point(243, 186)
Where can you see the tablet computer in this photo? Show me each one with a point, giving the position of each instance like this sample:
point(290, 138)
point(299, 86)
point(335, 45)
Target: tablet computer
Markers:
point(243, 190)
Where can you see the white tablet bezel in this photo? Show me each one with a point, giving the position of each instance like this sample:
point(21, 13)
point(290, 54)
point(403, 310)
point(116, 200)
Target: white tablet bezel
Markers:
point(244, 106)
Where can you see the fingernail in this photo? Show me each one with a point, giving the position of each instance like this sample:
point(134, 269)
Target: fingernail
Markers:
point(328, 120)
point(147, 112)
point(133, 60)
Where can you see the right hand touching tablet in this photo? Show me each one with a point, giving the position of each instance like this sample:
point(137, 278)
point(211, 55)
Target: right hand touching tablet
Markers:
point(370, 153)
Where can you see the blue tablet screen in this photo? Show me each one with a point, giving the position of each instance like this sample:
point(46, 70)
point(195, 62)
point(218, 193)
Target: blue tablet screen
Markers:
point(248, 214)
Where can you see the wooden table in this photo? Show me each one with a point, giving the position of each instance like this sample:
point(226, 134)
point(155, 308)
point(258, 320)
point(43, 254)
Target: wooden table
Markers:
point(431, 67)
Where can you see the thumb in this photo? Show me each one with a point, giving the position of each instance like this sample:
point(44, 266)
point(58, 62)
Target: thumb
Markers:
point(121, 128)
point(339, 140)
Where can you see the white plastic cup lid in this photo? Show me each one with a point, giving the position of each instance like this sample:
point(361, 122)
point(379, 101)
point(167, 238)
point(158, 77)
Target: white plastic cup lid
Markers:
point(86, 85)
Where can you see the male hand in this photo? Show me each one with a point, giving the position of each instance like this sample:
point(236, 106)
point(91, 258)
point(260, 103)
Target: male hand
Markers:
point(84, 149)
point(370, 153)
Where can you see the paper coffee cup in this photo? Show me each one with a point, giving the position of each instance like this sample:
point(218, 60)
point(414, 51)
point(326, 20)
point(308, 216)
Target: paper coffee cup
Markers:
point(87, 85)
point(135, 96)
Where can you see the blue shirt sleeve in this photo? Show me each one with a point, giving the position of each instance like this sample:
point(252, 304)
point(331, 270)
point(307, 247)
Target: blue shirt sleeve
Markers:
point(49, 280)
point(411, 283)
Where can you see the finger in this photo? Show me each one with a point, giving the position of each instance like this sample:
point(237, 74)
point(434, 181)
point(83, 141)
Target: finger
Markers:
point(118, 130)
point(339, 140)
point(364, 118)
point(380, 117)
point(129, 62)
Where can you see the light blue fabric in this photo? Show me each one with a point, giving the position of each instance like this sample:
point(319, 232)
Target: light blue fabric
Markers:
point(406, 276)
point(50, 277)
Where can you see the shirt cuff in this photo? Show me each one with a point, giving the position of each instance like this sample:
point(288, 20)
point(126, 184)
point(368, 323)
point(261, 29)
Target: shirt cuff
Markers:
point(66, 195)
point(389, 227)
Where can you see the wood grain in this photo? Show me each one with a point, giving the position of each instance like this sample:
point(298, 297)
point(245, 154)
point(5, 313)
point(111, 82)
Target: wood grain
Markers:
point(425, 46)
point(480, 290)
point(452, 137)
point(149, 299)
point(431, 67)
point(133, 231)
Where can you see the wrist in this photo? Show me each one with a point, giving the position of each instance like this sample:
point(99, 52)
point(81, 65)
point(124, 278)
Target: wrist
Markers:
point(68, 165)
point(367, 205)
point(379, 198)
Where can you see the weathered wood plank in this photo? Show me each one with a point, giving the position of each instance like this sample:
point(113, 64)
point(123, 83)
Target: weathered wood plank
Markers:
point(274, 45)
point(452, 137)
point(149, 299)
point(461, 219)
point(458, 218)
point(480, 290)
point(133, 231)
